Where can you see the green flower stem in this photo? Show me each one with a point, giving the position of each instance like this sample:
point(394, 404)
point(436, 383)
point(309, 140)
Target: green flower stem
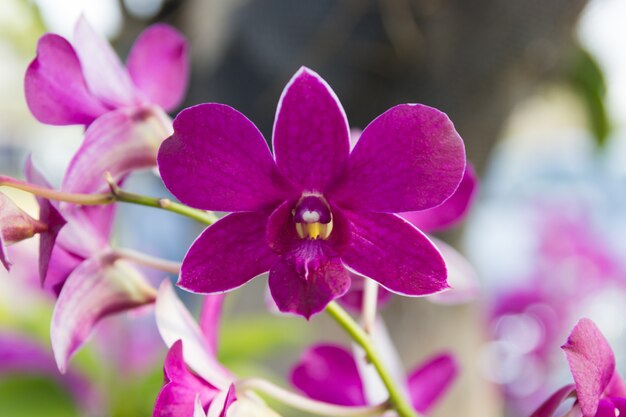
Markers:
point(398, 401)
point(150, 261)
point(306, 404)
point(116, 195)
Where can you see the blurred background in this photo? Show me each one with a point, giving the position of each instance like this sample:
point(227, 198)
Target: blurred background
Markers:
point(536, 88)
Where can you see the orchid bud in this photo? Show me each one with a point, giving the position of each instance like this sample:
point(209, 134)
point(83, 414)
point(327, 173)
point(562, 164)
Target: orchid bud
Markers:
point(15, 223)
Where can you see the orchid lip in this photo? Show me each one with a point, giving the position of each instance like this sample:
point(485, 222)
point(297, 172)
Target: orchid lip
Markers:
point(313, 217)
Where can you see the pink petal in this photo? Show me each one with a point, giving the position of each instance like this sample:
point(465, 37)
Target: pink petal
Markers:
point(304, 283)
point(431, 380)
point(409, 158)
point(311, 133)
point(462, 277)
point(4, 259)
point(97, 288)
point(591, 362)
point(118, 143)
point(389, 250)
point(54, 86)
point(159, 65)
point(210, 317)
point(452, 211)
point(183, 389)
point(176, 323)
point(549, 407)
point(216, 148)
point(329, 373)
point(227, 254)
point(106, 77)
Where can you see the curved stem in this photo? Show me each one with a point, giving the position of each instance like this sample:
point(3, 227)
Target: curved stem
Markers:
point(148, 260)
point(116, 195)
point(370, 302)
point(399, 402)
point(306, 404)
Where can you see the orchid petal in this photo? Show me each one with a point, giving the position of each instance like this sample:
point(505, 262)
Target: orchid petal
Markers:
point(217, 148)
point(353, 299)
point(176, 323)
point(591, 362)
point(55, 90)
point(198, 410)
point(183, 391)
point(462, 277)
point(431, 380)
point(227, 254)
point(606, 409)
point(158, 64)
point(103, 71)
point(311, 133)
point(117, 143)
point(409, 158)
point(4, 259)
point(549, 407)
point(220, 405)
point(304, 283)
point(616, 387)
point(61, 263)
point(389, 250)
point(210, 316)
point(329, 373)
point(15, 224)
point(98, 287)
point(19, 354)
point(245, 407)
point(452, 210)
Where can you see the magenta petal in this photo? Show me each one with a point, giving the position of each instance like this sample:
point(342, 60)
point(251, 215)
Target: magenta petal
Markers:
point(311, 134)
point(305, 282)
point(431, 380)
point(218, 160)
point(606, 409)
point(409, 158)
point(462, 278)
point(158, 64)
point(329, 373)
point(3, 256)
point(227, 254)
point(616, 387)
point(353, 299)
point(452, 210)
point(98, 287)
point(178, 395)
point(591, 362)
point(104, 73)
point(117, 143)
point(54, 86)
point(391, 251)
point(210, 316)
point(549, 407)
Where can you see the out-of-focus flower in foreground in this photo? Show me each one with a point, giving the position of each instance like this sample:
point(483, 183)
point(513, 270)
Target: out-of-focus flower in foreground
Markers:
point(84, 82)
point(196, 384)
point(329, 373)
point(316, 207)
point(598, 388)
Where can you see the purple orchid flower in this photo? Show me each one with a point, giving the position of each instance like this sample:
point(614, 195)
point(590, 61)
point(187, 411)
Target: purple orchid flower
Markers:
point(329, 373)
point(80, 268)
point(85, 83)
point(598, 388)
point(461, 275)
point(196, 384)
point(315, 208)
point(19, 354)
point(16, 225)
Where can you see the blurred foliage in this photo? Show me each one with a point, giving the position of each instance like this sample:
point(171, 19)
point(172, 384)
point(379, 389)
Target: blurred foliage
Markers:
point(587, 79)
point(21, 25)
point(29, 396)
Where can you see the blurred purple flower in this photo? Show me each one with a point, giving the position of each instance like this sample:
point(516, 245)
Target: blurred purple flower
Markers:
point(196, 384)
point(316, 207)
point(329, 373)
point(22, 355)
point(598, 388)
point(461, 276)
point(90, 280)
point(85, 83)
point(17, 225)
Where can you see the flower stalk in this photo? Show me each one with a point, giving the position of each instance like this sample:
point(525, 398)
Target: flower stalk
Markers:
point(398, 401)
point(143, 259)
point(306, 404)
point(115, 195)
